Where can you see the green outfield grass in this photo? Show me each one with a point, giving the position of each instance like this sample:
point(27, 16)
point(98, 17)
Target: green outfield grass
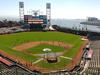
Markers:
point(7, 42)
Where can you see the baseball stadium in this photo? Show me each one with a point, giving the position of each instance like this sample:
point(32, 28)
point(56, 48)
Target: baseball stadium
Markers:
point(43, 51)
point(33, 46)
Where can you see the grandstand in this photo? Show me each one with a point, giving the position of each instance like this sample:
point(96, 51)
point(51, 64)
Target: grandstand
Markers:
point(94, 65)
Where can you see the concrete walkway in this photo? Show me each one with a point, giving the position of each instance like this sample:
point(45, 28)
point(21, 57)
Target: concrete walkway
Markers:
point(85, 67)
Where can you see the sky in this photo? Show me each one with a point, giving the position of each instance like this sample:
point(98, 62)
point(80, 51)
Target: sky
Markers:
point(63, 9)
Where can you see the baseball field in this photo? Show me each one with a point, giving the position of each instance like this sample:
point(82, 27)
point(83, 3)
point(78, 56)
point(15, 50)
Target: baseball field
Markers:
point(29, 46)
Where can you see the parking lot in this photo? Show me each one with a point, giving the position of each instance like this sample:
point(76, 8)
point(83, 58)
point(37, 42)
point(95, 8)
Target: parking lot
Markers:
point(7, 30)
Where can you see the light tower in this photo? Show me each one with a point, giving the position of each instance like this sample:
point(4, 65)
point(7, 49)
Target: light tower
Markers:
point(48, 13)
point(21, 11)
